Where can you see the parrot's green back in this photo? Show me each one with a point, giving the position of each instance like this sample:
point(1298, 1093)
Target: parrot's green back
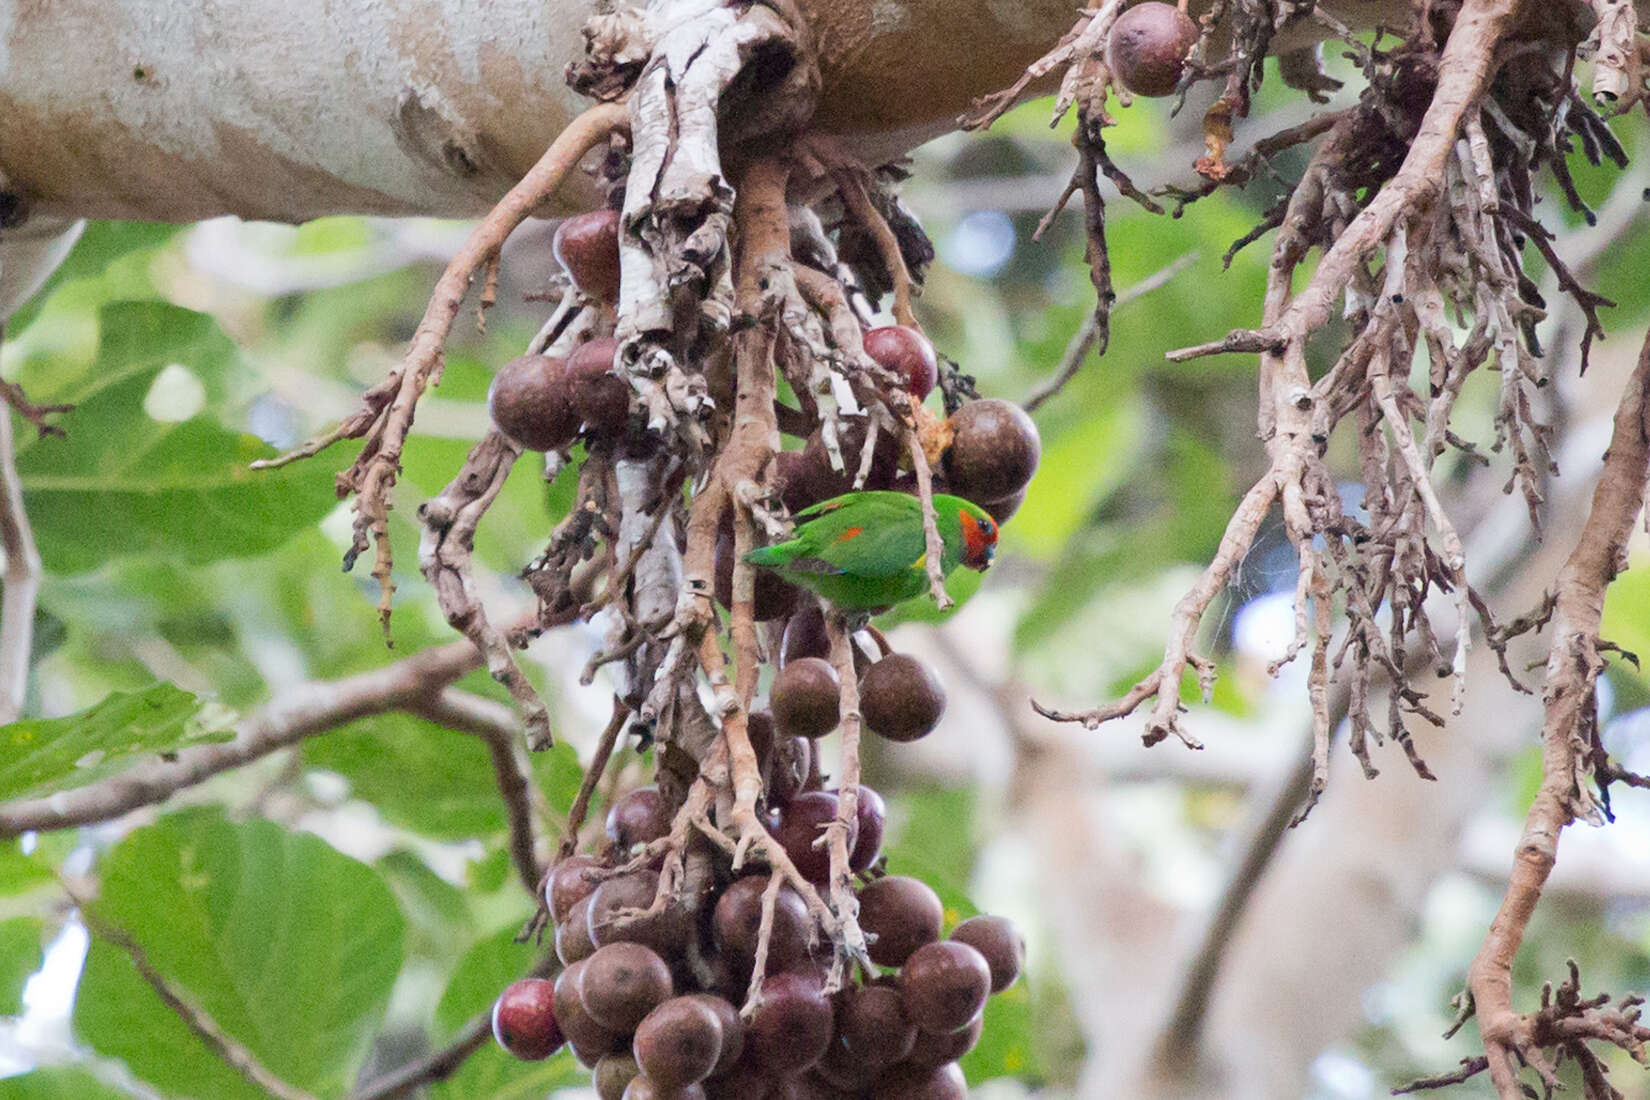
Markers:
point(865, 550)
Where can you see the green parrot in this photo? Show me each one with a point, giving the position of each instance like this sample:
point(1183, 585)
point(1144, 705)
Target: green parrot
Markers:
point(865, 551)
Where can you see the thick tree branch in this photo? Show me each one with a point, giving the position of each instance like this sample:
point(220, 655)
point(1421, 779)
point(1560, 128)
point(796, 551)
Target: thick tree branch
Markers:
point(300, 712)
point(1573, 666)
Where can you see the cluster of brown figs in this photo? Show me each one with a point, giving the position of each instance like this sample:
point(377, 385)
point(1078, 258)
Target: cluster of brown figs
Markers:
point(650, 1005)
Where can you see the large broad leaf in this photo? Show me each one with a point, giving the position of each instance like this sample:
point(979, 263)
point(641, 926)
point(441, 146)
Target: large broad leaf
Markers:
point(289, 945)
point(123, 482)
point(490, 1073)
point(58, 1083)
point(22, 949)
point(433, 780)
point(20, 873)
point(52, 754)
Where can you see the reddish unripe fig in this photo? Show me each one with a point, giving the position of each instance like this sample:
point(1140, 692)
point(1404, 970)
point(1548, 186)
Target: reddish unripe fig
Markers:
point(570, 880)
point(802, 821)
point(678, 1043)
point(944, 985)
point(587, 245)
point(640, 816)
point(622, 983)
point(600, 398)
point(524, 1019)
point(994, 450)
point(806, 698)
point(1147, 48)
point(909, 354)
point(912, 1083)
point(1000, 943)
point(903, 914)
point(531, 401)
point(792, 1027)
point(901, 698)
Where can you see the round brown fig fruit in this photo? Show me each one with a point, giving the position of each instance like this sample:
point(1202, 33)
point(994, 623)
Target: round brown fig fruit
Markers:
point(804, 636)
point(622, 983)
point(912, 1083)
point(802, 821)
point(614, 1074)
point(600, 398)
point(944, 985)
point(1000, 943)
point(791, 1027)
point(994, 450)
point(1003, 510)
point(570, 880)
point(806, 698)
point(643, 1087)
point(1147, 48)
point(678, 1043)
point(901, 698)
point(871, 1025)
point(638, 817)
point(587, 245)
point(909, 354)
point(871, 816)
point(531, 401)
point(733, 1030)
point(573, 940)
point(665, 932)
point(932, 1051)
point(903, 914)
point(524, 1019)
point(737, 920)
point(591, 1042)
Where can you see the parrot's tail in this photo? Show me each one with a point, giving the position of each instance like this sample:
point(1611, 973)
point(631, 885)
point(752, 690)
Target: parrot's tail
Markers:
point(772, 557)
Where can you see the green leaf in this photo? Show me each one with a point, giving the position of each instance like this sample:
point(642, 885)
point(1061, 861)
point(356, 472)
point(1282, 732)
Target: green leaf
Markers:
point(53, 754)
point(289, 945)
point(22, 949)
point(123, 482)
point(491, 1074)
point(1008, 1047)
point(58, 1083)
point(422, 777)
point(932, 831)
point(18, 872)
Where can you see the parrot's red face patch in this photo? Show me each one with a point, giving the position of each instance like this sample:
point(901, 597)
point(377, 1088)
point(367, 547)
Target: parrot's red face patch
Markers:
point(979, 540)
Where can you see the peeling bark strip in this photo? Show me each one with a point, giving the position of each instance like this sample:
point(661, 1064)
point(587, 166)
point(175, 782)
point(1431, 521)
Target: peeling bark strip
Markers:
point(1574, 663)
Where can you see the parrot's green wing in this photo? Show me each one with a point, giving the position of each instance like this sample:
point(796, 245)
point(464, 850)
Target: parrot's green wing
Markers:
point(867, 534)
